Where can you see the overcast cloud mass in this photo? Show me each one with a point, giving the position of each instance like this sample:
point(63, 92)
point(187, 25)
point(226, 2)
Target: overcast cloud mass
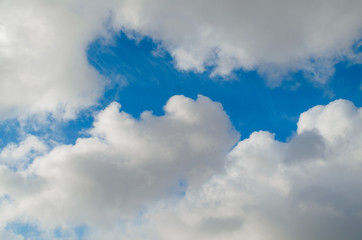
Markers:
point(185, 173)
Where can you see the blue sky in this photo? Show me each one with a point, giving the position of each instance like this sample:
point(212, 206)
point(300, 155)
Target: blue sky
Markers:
point(168, 119)
point(141, 80)
point(148, 81)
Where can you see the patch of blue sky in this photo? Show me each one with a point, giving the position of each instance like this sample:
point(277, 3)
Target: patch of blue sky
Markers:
point(78, 232)
point(9, 132)
point(81, 231)
point(28, 231)
point(182, 187)
point(141, 81)
point(32, 232)
point(52, 132)
point(179, 188)
point(5, 199)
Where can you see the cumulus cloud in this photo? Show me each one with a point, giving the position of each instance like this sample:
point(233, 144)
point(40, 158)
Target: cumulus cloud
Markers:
point(273, 37)
point(161, 177)
point(44, 68)
point(43, 63)
point(177, 176)
point(123, 167)
point(269, 192)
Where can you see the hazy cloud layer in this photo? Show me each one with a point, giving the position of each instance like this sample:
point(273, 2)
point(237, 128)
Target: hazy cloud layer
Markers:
point(44, 69)
point(127, 179)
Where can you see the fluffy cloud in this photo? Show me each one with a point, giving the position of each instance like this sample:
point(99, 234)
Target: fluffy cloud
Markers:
point(43, 63)
point(270, 36)
point(127, 179)
point(123, 167)
point(308, 188)
point(44, 68)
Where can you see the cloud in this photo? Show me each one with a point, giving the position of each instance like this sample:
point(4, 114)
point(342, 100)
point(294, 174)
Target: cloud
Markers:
point(177, 176)
point(273, 37)
point(276, 190)
point(43, 62)
point(18, 155)
point(125, 165)
point(161, 178)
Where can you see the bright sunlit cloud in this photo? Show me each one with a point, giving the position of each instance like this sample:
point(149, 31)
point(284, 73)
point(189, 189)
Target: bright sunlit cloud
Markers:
point(261, 186)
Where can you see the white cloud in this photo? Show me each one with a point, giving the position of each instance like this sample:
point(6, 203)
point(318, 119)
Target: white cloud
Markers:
point(18, 155)
point(10, 236)
point(275, 190)
point(44, 68)
point(273, 37)
point(307, 188)
point(124, 166)
point(43, 63)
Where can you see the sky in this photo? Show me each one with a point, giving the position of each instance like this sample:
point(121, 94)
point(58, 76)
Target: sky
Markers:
point(180, 120)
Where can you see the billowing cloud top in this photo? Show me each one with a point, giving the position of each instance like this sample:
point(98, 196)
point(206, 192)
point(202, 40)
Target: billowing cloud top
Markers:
point(308, 187)
point(123, 166)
